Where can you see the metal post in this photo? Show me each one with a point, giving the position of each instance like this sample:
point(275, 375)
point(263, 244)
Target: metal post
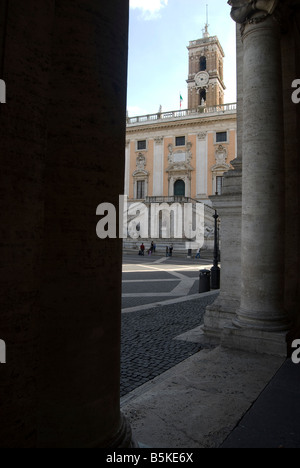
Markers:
point(215, 271)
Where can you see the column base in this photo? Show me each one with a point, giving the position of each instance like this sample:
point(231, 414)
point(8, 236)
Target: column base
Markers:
point(218, 316)
point(254, 340)
point(123, 438)
point(261, 322)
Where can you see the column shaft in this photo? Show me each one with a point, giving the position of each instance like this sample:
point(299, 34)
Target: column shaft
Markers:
point(25, 55)
point(62, 154)
point(79, 373)
point(263, 179)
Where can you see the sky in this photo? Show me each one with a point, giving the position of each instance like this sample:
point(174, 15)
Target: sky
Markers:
point(159, 33)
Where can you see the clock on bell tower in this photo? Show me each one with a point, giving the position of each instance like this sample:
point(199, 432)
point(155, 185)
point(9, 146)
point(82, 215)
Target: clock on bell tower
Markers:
point(205, 82)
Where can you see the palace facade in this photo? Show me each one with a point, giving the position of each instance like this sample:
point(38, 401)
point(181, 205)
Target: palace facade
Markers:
point(185, 153)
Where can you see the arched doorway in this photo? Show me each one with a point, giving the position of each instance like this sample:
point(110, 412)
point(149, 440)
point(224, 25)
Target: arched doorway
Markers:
point(179, 188)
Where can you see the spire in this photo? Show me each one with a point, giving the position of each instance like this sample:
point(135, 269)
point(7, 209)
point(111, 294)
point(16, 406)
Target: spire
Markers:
point(205, 30)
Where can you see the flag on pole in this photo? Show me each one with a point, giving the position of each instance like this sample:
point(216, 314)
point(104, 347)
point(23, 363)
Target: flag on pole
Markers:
point(181, 100)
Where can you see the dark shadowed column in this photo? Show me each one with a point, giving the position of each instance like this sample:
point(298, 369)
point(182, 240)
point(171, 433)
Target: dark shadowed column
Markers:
point(81, 293)
point(25, 46)
point(62, 154)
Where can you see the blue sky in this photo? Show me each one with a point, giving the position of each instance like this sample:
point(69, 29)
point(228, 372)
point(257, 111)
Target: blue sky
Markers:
point(160, 31)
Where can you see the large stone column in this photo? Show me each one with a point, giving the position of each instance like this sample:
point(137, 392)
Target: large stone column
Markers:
point(25, 54)
point(62, 154)
point(262, 275)
point(291, 70)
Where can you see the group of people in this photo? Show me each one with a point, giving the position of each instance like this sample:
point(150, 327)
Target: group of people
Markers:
point(150, 251)
point(169, 250)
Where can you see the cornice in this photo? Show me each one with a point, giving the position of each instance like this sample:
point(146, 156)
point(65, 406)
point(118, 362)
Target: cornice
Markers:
point(196, 123)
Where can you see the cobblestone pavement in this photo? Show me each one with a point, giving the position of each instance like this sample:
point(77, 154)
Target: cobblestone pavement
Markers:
point(149, 345)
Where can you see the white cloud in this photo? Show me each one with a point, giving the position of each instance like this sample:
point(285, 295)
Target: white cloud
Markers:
point(133, 111)
point(150, 8)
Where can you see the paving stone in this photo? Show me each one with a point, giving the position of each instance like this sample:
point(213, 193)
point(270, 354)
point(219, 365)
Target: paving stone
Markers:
point(148, 340)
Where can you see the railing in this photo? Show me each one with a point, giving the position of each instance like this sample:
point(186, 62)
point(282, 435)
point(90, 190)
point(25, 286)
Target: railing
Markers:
point(202, 110)
point(174, 199)
point(177, 199)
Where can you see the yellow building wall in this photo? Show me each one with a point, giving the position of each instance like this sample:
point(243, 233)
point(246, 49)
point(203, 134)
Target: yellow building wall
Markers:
point(211, 160)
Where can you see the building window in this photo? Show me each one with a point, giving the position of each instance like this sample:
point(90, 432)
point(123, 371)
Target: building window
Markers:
point(203, 64)
point(142, 145)
point(219, 185)
point(221, 137)
point(180, 141)
point(140, 189)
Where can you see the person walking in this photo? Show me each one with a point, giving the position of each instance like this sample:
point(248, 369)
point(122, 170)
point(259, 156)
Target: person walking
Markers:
point(171, 250)
point(142, 250)
point(198, 253)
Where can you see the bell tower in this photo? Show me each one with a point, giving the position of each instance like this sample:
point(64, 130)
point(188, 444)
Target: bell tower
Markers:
point(205, 81)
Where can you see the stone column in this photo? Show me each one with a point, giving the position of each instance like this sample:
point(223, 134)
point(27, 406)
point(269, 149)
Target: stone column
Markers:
point(201, 166)
point(158, 167)
point(291, 70)
point(262, 300)
point(25, 55)
point(263, 180)
point(62, 154)
point(79, 373)
point(127, 168)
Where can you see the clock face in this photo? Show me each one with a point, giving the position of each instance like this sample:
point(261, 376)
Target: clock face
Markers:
point(202, 79)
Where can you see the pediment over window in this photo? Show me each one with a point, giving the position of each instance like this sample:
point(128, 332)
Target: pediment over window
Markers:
point(140, 173)
point(221, 167)
point(180, 167)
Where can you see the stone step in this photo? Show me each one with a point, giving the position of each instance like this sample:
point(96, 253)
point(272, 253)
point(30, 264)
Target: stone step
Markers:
point(205, 254)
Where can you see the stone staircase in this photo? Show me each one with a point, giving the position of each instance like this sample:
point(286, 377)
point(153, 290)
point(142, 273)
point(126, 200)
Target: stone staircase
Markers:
point(132, 247)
